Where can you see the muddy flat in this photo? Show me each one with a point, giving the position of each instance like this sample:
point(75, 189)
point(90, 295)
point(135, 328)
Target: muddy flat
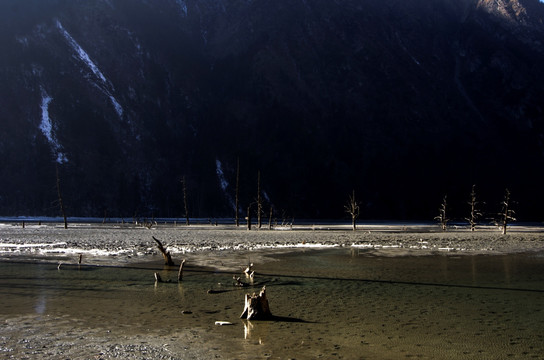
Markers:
point(379, 292)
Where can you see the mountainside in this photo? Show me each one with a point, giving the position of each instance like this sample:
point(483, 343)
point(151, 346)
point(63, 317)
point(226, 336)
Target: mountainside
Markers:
point(403, 102)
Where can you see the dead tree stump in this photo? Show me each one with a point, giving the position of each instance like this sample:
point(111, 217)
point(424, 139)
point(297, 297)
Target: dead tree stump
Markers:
point(158, 278)
point(166, 255)
point(180, 271)
point(256, 306)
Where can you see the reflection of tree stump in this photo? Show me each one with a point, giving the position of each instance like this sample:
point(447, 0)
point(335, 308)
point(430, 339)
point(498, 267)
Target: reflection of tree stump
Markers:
point(256, 306)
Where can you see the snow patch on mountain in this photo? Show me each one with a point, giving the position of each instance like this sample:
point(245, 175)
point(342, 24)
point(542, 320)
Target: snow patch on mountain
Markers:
point(22, 40)
point(116, 105)
point(82, 54)
point(46, 127)
point(106, 87)
point(183, 6)
point(223, 182)
point(221, 175)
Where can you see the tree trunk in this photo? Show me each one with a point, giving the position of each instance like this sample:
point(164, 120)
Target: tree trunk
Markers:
point(236, 196)
point(185, 201)
point(256, 306)
point(61, 203)
point(506, 212)
point(166, 255)
point(259, 201)
point(270, 218)
point(249, 217)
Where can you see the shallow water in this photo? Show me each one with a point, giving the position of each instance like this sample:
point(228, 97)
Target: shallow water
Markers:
point(335, 303)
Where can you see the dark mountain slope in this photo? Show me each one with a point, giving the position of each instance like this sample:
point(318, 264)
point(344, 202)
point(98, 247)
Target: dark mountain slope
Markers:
point(401, 101)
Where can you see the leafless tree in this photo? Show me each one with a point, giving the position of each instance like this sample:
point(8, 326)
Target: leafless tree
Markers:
point(248, 217)
point(507, 214)
point(236, 196)
point(442, 218)
point(474, 212)
point(259, 201)
point(59, 193)
point(270, 217)
point(353, 209)
point(184, 186)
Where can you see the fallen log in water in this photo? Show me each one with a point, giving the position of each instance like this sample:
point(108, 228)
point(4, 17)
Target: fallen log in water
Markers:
point(256, 306)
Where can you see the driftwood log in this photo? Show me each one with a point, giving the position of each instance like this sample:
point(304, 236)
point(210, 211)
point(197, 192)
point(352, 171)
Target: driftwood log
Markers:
point(165, 254)
point(256, 307)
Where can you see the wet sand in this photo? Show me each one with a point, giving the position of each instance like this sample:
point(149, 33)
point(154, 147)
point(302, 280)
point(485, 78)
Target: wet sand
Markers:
point(336, 294)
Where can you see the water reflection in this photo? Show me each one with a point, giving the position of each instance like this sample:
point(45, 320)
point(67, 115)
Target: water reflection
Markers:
point(41, 303)
point(473, 269)
point(507, 265)
point(508, 271)
point(257, 332)
point(444, 267)
point(248, 327)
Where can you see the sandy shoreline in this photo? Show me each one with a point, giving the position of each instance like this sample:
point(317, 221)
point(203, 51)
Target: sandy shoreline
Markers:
point(116, 244)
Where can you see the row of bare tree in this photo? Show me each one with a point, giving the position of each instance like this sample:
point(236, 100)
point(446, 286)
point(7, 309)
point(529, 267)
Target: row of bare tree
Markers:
point(352, 207)
point(505, 216)
point(254, 207)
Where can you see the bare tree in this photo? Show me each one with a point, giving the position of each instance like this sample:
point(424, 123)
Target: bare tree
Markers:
point(184, 186)
point(353, 209)
point(507, 214)
point(59, 193)
point(474, 212)
point(442, 218)
point(270, 217)
point(248, 218)
point(259, 201)
point(236, 196)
